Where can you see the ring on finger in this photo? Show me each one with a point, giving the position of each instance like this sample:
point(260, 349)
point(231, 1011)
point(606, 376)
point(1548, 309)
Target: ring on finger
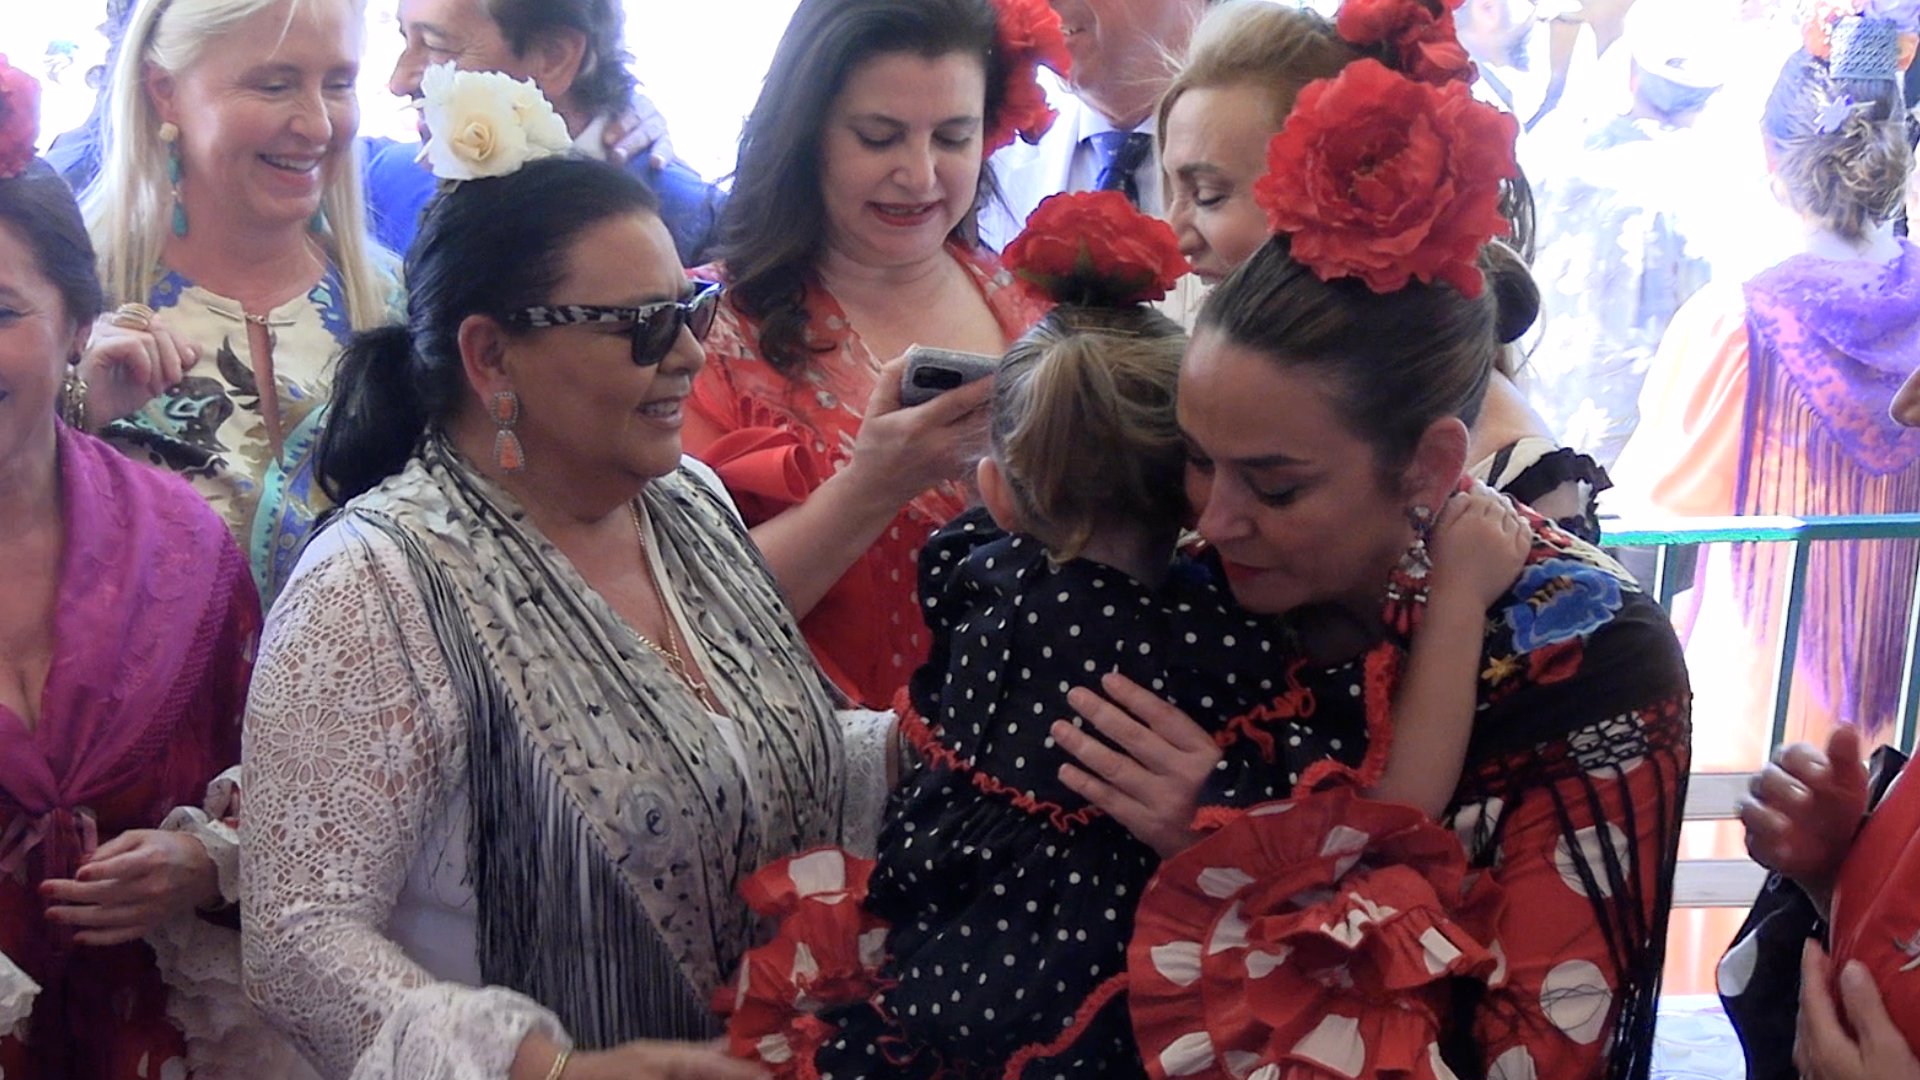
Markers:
point(132, 317)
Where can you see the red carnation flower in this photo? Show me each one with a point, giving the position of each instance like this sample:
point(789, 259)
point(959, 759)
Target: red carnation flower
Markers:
point(1031, 29)
point(1029, 36)
point(1383, 178)
point(1094, 247)
point(19, 119)
point(1423, 39)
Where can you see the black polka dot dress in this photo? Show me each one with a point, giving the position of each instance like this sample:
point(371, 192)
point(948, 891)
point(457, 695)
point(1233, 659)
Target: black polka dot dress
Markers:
point(1010, 899)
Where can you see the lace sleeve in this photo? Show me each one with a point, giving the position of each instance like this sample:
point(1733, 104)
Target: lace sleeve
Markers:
point(353, 750)
point(867, 737)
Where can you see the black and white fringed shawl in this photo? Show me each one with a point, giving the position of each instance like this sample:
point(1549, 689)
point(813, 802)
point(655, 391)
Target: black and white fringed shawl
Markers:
point(610, 822)
point(1583, 730)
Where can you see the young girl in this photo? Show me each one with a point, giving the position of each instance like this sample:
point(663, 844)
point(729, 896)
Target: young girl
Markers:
point(1009, 899)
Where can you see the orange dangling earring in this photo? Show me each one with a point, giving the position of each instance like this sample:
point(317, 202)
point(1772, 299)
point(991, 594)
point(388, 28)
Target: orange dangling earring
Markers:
point(507, 451)
point(1407, 585)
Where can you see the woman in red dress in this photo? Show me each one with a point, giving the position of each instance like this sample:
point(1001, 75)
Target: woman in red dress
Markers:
point(1326, 401)
point(127, 621)
point(850, 237)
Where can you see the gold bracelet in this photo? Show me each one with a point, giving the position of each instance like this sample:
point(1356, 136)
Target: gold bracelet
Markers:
point(559, 1064)
point(73, 399)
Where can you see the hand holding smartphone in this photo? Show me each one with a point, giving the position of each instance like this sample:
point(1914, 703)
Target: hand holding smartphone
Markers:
point(932, 372)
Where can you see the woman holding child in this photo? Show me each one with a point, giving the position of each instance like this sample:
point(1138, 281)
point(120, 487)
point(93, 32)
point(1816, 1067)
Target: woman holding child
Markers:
point(1472, 875)
point(1568, 801)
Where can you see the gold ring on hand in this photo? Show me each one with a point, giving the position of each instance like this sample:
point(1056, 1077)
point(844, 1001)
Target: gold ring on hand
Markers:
point(132, 317)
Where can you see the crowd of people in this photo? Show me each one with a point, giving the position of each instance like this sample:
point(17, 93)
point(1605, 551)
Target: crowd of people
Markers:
point(491, 608)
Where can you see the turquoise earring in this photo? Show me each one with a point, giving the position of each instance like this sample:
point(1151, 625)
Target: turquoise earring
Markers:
point(319, 221)
point(170, 135)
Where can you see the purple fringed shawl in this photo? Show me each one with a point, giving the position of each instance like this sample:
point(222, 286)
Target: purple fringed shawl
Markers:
point(153, 637)
point(1829, 344)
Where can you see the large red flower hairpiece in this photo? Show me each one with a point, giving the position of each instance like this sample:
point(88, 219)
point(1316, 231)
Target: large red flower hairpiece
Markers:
point(1419, 34)
point(1386, 178)
point(1094, 248)
point(19, 119)
point(1029, 37)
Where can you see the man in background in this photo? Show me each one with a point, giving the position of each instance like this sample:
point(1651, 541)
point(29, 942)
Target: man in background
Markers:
point(1615, 260)
point(574, 51)
point(1124, 55)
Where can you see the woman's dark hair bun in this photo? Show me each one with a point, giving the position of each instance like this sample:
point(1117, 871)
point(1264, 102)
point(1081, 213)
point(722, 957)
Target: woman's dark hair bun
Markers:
point(1514, 291)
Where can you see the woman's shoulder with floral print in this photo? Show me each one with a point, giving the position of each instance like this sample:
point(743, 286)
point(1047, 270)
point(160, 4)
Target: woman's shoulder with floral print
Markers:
point(1575, 616)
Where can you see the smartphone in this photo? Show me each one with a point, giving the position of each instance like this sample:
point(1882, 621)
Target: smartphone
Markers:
point(932, 372)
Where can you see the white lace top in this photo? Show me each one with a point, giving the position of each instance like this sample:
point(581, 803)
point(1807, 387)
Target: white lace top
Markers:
point(359, 919)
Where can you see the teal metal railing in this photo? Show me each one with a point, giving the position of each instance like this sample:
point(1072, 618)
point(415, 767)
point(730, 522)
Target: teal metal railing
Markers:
point(1671, 536)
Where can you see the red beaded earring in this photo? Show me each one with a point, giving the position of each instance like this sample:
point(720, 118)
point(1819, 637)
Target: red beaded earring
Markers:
point(1407, 585)
point(507, 451)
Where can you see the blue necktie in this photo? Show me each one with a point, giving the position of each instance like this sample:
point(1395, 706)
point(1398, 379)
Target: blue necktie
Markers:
point(1120, 155)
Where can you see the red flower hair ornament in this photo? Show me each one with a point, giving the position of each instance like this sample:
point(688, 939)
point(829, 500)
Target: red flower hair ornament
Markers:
point(1094, 249)
point(1421, 36)
point(1383, 177)
point(19, 119)
point(1029, 37)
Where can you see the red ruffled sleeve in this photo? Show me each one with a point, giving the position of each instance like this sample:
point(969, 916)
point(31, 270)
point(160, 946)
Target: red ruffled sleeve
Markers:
point(767, 460)
point(826, 951)
point(1311, 938)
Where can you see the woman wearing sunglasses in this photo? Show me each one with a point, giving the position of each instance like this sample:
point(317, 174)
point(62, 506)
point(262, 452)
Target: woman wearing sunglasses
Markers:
point(531, 704)
point(851, 236)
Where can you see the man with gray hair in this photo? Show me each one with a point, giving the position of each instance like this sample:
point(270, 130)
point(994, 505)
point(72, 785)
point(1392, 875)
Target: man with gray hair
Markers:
point(574, 51)
point(1124, 55)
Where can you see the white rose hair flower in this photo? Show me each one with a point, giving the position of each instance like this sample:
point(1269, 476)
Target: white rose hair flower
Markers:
point(485, 123)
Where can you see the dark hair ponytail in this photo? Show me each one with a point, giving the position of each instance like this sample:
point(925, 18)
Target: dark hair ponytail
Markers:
point(486, 247)
point(376, 415)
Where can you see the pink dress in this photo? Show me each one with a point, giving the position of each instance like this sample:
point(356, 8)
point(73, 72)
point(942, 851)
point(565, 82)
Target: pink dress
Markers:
point(154, 630)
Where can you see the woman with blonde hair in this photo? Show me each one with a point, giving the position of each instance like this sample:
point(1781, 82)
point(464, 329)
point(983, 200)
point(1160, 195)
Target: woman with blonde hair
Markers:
point(1247, 63)
point(231, 231)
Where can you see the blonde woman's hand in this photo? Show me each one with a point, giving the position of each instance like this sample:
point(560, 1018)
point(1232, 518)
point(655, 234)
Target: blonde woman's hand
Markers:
point(125, 368)
point(1152, 784)
point(902, 451)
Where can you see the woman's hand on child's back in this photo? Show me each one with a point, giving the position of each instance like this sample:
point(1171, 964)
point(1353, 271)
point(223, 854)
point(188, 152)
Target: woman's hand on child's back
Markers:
point(1153, 788)
point(1478, 546)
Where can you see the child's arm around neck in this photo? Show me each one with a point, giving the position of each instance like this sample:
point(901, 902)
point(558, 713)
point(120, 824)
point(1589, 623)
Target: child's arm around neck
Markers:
point(1479, 546)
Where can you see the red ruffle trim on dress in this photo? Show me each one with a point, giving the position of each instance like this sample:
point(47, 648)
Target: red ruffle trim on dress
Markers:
point(826, 952)
point(1310, 939)
point(767, 470)
point(926, 742)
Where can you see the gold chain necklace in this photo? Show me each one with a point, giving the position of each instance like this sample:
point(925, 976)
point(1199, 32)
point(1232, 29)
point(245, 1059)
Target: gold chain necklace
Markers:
point(670, 652)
